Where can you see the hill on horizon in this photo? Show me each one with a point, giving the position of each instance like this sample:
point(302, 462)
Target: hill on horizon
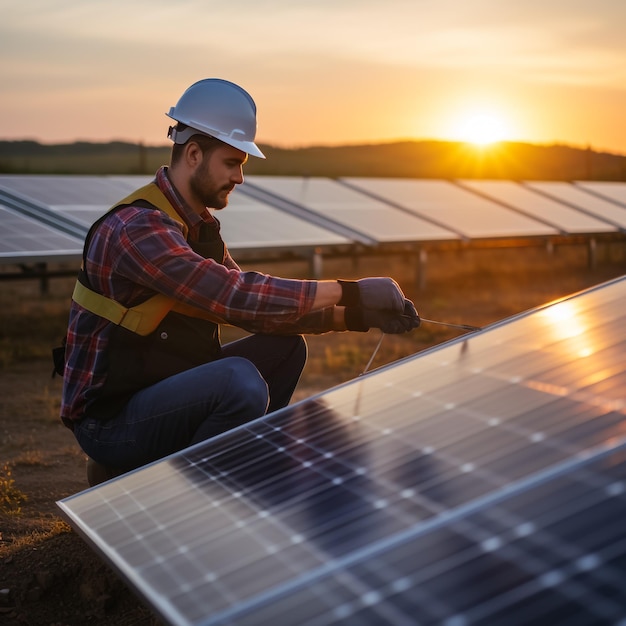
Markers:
point(402, 159)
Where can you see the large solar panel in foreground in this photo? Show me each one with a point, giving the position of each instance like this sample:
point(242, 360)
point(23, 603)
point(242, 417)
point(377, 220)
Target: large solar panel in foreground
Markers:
point(482, 482)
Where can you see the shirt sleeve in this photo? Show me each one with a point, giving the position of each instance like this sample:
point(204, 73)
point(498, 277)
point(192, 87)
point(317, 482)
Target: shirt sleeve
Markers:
point(147, 253)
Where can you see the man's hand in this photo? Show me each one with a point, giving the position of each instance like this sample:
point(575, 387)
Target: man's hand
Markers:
point(372, 293)
point(360, 319)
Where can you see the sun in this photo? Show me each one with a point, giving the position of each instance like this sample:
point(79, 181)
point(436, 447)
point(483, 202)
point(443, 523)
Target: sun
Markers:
point(482, 128)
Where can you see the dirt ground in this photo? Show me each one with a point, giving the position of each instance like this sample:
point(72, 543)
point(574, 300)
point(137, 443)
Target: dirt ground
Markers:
point(48, 575)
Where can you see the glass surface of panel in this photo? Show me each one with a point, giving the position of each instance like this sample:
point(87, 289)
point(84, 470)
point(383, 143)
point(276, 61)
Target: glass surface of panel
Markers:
point(248, 223)
point(474, 216)
point(66, 190)
point(615, 191)
point(578, 197)
point(474, 482)
point(24, 238)
point(356, 210)
point(560, 215)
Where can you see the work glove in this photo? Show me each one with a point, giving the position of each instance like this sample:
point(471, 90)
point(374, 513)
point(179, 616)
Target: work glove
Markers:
point(360, 319)
point(372, 293)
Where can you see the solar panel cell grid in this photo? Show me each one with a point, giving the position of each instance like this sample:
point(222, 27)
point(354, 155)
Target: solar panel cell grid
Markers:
point(533, 557)
point(481, 482)
point(578, 197)
point(458, 209)
point(378, 220)
point(23, 238)
point(64, 190)
point(564, 217)
point(248, 223)
point(613, 191)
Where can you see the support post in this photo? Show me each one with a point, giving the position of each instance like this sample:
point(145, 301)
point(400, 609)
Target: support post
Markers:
point(422, 260)
point(44, 280)
point(317, 264)
point(592, 247)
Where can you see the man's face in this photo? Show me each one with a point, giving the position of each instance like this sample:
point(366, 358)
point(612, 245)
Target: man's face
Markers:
point(216, 176)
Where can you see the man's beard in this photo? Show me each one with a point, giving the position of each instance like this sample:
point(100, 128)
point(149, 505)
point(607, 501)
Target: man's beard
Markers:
point(203, 187)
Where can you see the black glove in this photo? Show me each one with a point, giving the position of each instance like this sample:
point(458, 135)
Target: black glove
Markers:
point(390, 323)
point(372, 293)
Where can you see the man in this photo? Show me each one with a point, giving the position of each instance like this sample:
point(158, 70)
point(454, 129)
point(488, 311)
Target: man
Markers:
point(145, 374)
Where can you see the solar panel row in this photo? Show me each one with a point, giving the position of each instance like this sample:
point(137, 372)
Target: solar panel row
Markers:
point(26, 240)
point(273, 212)
point(482, 481)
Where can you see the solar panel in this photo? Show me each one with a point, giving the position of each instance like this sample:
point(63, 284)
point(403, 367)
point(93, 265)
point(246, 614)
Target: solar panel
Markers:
point(51, 190)
point(248, 224)
point(575, 196)
point(81, 199)
point(614, 191)
point(563, 217)
point(453, 206)
point(25, 240)
point(378, 220)
point(88, 198)
point(482, 481)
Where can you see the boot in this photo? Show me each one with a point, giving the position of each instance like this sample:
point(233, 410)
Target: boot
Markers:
point(98, 473)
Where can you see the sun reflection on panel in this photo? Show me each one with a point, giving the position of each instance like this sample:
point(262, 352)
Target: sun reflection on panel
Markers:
point(567, 324)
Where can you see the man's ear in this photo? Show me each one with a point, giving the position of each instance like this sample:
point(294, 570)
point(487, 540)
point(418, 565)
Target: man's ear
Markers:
point(193, 154)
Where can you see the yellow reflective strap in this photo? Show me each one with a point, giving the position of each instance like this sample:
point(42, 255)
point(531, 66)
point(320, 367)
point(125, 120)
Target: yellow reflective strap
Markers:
point(141, 319)
point(145, 317)
point(96, 303)
point(152, 194)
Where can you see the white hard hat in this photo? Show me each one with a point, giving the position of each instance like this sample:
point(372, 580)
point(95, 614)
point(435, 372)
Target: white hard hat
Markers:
point(220, 109)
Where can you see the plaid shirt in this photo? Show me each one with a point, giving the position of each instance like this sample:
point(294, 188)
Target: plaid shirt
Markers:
point(137, 252)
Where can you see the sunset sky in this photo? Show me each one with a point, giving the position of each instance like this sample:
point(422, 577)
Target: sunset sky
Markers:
point(322, 71)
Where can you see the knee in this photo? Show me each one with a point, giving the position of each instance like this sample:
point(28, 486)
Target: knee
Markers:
point(296, 349)
point(300, 347)
point(248, 384)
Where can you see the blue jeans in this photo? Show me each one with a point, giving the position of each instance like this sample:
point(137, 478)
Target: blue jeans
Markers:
point(255, 375)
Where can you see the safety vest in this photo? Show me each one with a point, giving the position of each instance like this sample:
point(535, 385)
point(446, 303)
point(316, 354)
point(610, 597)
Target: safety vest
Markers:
point(145, 317)
point(155, 339)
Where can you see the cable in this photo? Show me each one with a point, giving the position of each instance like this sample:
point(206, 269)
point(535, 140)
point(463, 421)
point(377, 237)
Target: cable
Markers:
point(462, 326)
point(382, 336)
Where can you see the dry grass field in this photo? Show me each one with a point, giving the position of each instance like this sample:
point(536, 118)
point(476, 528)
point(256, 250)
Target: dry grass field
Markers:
point(48, 576)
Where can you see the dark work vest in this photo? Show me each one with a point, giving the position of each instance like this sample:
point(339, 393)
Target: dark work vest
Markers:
point(180, 342)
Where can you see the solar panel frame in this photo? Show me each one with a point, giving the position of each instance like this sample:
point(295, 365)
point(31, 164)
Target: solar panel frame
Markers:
point(324, 505)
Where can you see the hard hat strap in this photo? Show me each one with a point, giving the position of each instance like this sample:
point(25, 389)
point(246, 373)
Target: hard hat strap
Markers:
point(183, 136)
